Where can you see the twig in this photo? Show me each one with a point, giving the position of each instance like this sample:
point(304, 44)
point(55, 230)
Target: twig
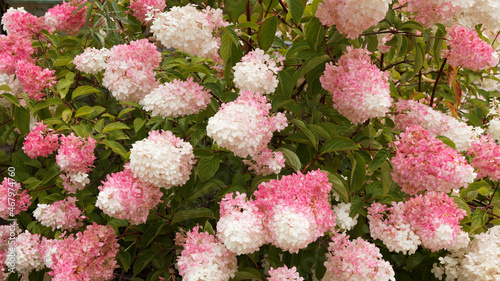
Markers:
point(437, 81)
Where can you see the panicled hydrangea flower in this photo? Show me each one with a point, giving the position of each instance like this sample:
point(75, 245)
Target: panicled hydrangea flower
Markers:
point(297, 209)
point(129, 73)
point(11, 81)
point(33, 79)
point(22, 198)
point(65, 17)
point(424, 163)
point(18, 21)
point(144, 9)
point(245, 127)
point(189, 30)
point(284, 274)
point(124, 197)
point(486, 158)
point(29, 253)
point(240, 226)
point(360, 90)
point(356, 260)
point(40, 141)
point(74, 181)
point(410, 113)
point(483, 11)
point(257, 72)
point(468, 50)
point(91, 61)
point(62, 214)
point(89, 256)
point(177, 98)
point(494, 124)
point(76, 154)
point(13, 48)
point(204, 257)
point(429, 12)
point(266, 162)
point(352, 17)
point(162, 159)
point(343, 220)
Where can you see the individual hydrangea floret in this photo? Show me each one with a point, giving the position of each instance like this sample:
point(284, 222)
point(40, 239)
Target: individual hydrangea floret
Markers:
point(92, 60)
point(189, 30)
point(76, 154)
point(143, 10)
point(360, 90)
point(40, 141)
point(162, 159)
point(124, 197)
point(486, 158)
point(468, 50)
point(65, 17)
point(90, 255)
point(284, 274)
point(257, 72)
point(357, 259)
point(177, 98)
point(352, 17)
point(240, 225)
point(424, 163)
point(63, 215)
point(129, 73)
point(22, 199)
point(204, 257)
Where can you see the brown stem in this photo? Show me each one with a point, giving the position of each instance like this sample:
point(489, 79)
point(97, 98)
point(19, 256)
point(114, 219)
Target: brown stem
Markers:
point(437, 81)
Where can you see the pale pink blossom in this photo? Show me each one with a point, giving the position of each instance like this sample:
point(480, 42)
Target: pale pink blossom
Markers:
point(13, 200)
point(257, 72)
point(92, 60)
point(284, 274)
point(62, 214)
point(486, 158)
point(64, 17)
point(429, 12)
point(144, 9)
point(76, 154)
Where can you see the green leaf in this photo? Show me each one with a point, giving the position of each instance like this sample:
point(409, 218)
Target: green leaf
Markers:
point(266, 33)
point(207, 167)
point(22, 120)
point(312, 64)
point(304, 128)
point(462, 204)
point(386, 177)
point(10, 97)
point(419, 58)
point(413, 261)
point(358, 172)
point(356, 206)
point(291, 158)
point(84, 90)
point(84, 110)
point(46, 103)
point(447, 141)
point(143, 260)
point(115, 146)
point(338, 186)
point(125, 260)
point(125, 111)
point(202, 153)
point(412, 25)
point(338, 144)
point(247, 273)
point(138, 124)
point(296, 9)
point(314, 33)
point(5, 88)
point(479, 219)
point(150, 234)
point(209, 187)
point(234, 8)
point(192, 214)
point(115, 126)
point(378, 159)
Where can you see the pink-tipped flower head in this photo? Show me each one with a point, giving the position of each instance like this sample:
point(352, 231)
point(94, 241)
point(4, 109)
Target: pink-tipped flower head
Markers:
point(62, 214)
point(144, 10)
point(91, 61)
point(18, 21)
point(65, 17)
point(76, 154)
point(29, 253)
point(162, 159)
point(360, 90)
point(424, 163)
point(284, 274)
point(13, 48)
point(34, 79)
point(9, 190)
point(486, 158)
point(41, 141)
point(429, 12)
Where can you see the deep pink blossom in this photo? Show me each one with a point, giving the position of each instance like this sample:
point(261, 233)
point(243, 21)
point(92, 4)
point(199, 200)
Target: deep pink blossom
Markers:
point(13, 200)
point(76, 154)
point(41, 141)
point(486, 158)
point(34, 79)
point(63, 17)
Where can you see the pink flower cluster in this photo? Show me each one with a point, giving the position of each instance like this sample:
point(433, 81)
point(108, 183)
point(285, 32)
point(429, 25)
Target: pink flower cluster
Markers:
point(429, 12)
point(13, 48)
point(189, 30)
point(432, 219)
point(62, 214)
point(124, 197)
point(89, 256)
point(266, 162)
point(130, 68)
point(352, 17)
point(29, 253)
point(257, 72)
point(64, 17)
point(356, 260)
point(424, 163)
point(411, 113)
point(162, 159)
point(360, 90)
point(245, 127)
point(284, 273)
point(91, 61)
point(76, 154)
point(486, 158)
point(177, 98)
point(468, 50)
point(204, 257)
point(145, 9)
point(18, 21)
point(240, 226)
point(296, 208)
point(34, 79)
point(12, 200)
point(40, 141)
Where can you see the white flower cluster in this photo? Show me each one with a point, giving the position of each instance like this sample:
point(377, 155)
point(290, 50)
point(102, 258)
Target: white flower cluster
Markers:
point(343, 220)
point(494, 124)
point(177, 98)
point(75, 181)
point(486, 12)
point(257, 72)
point(162, 159)
point(478, 261)
point(28, 253)
point(14, 85)
point(189, 30)
point(92, 60)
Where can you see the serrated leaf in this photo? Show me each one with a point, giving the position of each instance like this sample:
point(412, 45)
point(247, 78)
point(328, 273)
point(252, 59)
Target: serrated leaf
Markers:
point(338, 144)
point(479, 219)
point(84, 90)
point(192, 214)
point(202, 153)
point(291, 158)
point(462, 204)
point(419, 58)
point(386, 177)
point(5, 88)
point(115, 126)
point(207, 167)
point(296, 9)
point(209, 187)
point(266, 33)
point(378, 159)
point(304, 128)
point(356, 206)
